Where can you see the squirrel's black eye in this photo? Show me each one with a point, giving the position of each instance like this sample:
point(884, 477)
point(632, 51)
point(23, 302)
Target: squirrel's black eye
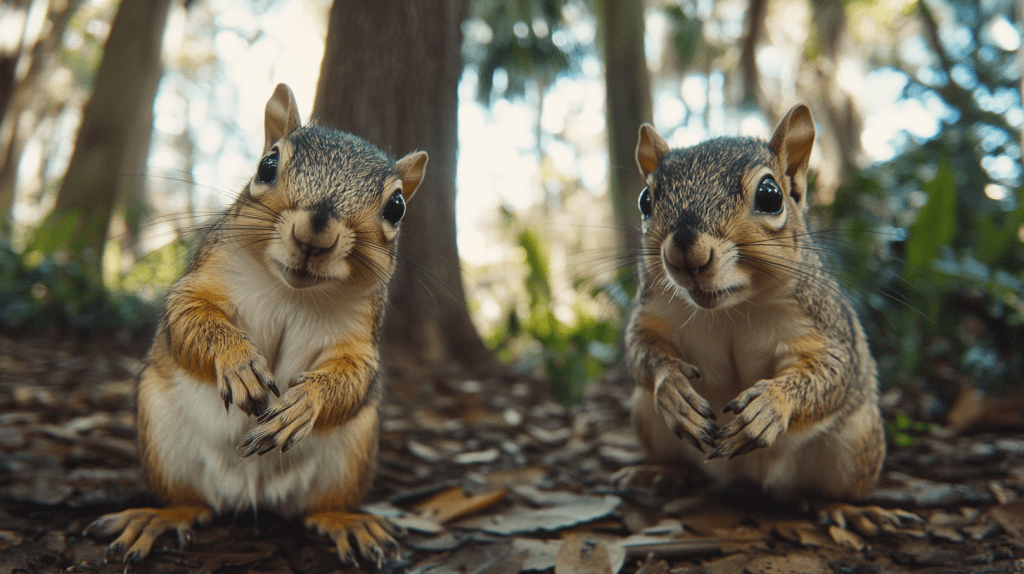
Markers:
point(645, 203)
point(267, 171)
point(768, 198)
point(394, 209)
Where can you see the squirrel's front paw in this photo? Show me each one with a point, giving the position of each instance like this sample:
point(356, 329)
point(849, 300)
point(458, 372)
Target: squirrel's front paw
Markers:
point(244, 379)
point(284, 424)
point(687, 413)
point(762, 415)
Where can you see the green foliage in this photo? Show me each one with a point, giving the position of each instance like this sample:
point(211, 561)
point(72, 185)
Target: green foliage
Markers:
point(936, 223)
point(526, 39)
point(687, 31)
point(154, 274)
point(39, 291)
point(942, 281)
point(569, 353)
point(931, 298)
point(903, 429)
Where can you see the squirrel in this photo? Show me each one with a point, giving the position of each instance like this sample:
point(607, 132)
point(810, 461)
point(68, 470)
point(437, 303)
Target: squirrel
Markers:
point(736, 313)
point(288, 285)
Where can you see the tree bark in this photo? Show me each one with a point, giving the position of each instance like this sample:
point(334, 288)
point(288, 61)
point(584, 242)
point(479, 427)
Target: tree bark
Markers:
point(390, 74)
point(627, 105)
point(123, 97)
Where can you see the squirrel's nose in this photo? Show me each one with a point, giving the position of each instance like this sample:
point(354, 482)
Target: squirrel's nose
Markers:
point(314, 244)
point(697, 260)
point(693, 261)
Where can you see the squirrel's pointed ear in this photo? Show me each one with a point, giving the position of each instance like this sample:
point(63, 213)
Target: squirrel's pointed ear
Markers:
point(282, 116)
point(792, 143)
point(411, 169)
point(650, 148)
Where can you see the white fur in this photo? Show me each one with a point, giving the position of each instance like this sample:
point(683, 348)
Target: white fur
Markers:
point(198, 446)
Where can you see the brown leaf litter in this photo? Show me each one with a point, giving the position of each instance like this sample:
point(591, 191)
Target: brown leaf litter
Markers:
point(492, 476)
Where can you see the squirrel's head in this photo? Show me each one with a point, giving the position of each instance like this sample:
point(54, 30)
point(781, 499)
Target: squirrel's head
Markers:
point(324, 206)
point(724, 219)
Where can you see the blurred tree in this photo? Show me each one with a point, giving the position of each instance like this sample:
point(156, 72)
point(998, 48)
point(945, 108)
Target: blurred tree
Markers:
point(26, 66)
point(16, 12)
point(390, 74)
point(118, 115)
point(839, 136)
point(627, 105)
point(754, 24)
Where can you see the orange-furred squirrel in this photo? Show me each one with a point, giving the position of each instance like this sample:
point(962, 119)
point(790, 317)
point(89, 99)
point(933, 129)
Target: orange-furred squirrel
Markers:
point(269, 340)
point(736, 314)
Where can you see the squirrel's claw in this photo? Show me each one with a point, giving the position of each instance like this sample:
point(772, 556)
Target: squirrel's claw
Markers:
point(867, 520)
point(686, 413)
point(244, 382)
point(140, 527)
point(369, 533)
point(760, 421)
point(737, 405)
point(284, 424)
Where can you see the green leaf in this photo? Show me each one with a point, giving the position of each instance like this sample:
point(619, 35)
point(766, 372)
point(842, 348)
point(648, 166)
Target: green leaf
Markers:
point(936, 222)
point(995, 240)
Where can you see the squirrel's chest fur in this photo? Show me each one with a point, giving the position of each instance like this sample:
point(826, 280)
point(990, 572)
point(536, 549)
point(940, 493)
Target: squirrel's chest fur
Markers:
point(194, 442)
point(291, 328)
point(733, 348)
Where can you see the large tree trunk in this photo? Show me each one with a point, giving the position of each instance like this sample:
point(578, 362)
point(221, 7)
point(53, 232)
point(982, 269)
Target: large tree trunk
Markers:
point(628, 104)
point(390, 74)
point(123, 98)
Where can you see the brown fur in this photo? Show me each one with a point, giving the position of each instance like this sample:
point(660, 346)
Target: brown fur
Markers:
point(750, 363)
point(292, 282)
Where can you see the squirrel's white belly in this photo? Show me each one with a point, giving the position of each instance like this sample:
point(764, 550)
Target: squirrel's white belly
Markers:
point(198, 447)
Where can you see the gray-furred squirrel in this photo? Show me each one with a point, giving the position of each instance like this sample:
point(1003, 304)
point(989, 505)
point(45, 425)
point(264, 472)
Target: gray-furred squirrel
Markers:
point(288, 286)
point(737, 314)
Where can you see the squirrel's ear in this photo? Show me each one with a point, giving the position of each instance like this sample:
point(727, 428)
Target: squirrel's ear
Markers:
point(792, 143)
point(282, 116)
point(411, 169)
point(649, 150)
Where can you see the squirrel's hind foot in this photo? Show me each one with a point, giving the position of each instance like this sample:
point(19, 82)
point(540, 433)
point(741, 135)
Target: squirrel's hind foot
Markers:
point(370, 534)
point(140, 527)
point(656, 476)
point(867, 520)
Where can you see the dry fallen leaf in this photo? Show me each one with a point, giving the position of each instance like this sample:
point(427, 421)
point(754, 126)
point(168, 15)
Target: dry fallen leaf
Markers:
point(589, 554)
point(455, 503)
point(520, 519)
point(541, 554)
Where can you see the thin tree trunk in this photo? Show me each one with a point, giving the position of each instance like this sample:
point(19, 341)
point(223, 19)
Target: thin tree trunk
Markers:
point(756, 13)
point(24, 102)
point(840, 143)
point(628, 104)
point(11, 50)
point(390, 74)
point(122, 98)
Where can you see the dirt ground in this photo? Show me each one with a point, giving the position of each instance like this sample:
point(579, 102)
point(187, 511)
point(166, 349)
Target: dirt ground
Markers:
point(491, 476)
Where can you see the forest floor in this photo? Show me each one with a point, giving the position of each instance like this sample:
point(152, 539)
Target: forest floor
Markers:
point(492, 476)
